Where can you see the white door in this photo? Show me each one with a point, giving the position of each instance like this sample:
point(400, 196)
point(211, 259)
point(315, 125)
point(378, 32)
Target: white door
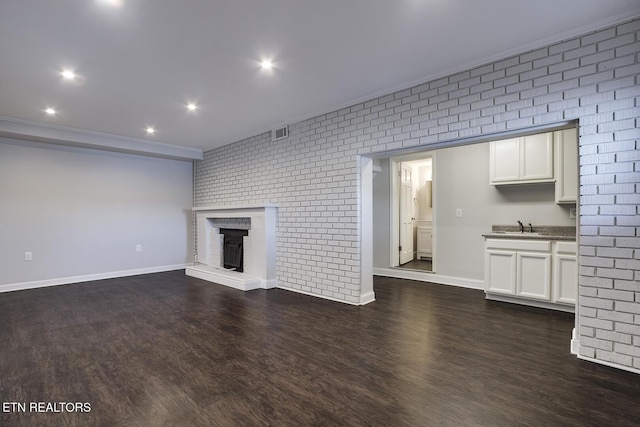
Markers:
point(406, 214)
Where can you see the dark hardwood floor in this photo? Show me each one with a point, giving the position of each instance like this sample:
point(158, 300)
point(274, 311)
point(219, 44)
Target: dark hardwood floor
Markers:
point(169, 350)
point(418, 264)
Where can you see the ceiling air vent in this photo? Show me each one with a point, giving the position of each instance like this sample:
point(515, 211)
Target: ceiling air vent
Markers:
point(280, 133)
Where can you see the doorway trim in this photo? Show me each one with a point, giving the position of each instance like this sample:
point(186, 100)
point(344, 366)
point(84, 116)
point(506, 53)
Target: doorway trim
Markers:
point(365, 228)
point(394, 214)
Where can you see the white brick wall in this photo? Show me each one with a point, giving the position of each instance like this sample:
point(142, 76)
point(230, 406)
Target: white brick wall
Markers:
point(312, 175)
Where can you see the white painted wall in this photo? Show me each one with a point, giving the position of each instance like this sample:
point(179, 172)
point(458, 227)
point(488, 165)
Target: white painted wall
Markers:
point(425, 209)
point(82, 212)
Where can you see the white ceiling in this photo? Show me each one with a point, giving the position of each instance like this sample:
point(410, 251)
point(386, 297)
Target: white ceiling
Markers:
point(141, 62)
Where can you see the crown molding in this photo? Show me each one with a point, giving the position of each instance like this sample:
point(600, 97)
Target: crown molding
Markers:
point(37, 132)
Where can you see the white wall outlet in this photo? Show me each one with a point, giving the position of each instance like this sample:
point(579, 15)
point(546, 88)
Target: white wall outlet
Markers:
point(28, 256)
point(138, 248)
point(459, 213)
point(572, 213)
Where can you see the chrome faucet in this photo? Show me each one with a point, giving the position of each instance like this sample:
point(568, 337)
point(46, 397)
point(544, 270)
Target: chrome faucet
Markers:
point(530, 228)
point(521, 227)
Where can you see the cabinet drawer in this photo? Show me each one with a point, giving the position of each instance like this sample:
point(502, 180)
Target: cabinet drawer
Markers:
point(519, 245)
point(568, 248)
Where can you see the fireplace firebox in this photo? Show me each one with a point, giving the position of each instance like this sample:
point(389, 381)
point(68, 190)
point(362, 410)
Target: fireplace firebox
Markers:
point(233, 248)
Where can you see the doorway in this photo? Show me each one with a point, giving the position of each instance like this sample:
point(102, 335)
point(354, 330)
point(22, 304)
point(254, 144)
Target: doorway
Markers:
point(412, 218)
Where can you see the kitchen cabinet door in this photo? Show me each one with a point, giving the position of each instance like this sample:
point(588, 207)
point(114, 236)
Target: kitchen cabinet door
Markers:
point(536, 157)
point(500, 272)
point(534, 275)
point(504, 160)
point(566, 165)
point(565, 273)
point(425, 241)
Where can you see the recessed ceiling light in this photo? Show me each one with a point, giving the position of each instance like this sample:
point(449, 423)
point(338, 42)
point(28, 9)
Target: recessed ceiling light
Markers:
point(266, 64)
point(192, 106)
point(150, 130)
point(116, 3)
point(50, 111)
point(68, 74)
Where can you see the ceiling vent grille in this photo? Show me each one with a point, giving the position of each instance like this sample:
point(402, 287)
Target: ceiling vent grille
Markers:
point(280, 133)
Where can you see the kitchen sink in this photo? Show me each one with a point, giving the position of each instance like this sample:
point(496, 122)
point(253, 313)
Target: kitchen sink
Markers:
point(515, 233)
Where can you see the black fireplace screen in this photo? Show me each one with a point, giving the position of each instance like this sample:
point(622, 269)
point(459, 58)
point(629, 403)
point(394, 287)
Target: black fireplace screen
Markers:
point(232, 248)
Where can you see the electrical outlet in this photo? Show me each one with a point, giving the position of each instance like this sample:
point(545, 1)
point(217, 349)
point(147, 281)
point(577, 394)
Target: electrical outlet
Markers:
point(572, 213)
point(28, 256)
point(138, 248)
point(459, 213)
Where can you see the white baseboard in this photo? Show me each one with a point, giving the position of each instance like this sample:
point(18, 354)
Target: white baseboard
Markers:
point(575, 343)
point(420, 276)
point(531, 302)
point(88, 278)
point(269, 284)
point(298, 291)
point(367, 298)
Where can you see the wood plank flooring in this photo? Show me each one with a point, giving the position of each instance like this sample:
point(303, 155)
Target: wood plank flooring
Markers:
point(418, 264)
point(169, 350)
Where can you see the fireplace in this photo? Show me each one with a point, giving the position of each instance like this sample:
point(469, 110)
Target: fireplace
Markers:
point(232, 248)
point(236, 246)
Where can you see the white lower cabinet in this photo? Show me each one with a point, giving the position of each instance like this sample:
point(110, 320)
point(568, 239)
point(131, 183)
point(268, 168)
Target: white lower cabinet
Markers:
point(425, 239)
point(531, 270)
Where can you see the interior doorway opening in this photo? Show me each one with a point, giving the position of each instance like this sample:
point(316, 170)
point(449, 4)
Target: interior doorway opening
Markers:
point(413, 210)
point(465, 207)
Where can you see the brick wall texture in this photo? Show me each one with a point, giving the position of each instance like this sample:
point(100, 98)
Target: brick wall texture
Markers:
point(313, 174)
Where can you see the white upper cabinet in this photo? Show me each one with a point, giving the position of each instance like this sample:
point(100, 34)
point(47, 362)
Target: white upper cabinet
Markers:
point(566, 167)
point(522, 160)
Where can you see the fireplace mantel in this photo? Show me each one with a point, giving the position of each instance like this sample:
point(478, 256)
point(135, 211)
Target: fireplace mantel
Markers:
point(260, 253)
point(233, 207)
